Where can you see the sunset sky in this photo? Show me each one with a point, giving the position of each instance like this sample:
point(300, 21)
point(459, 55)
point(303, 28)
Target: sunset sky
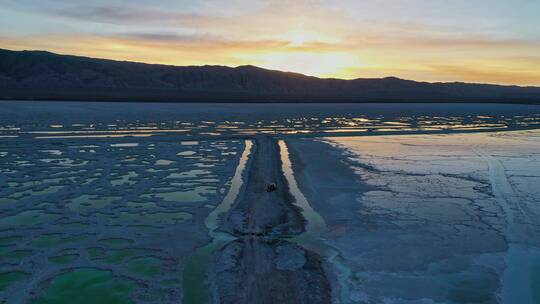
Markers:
point(492, 41)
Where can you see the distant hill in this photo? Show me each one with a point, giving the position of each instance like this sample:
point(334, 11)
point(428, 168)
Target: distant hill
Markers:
point(46, 76)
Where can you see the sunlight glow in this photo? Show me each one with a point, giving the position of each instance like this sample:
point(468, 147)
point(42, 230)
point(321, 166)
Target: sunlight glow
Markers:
point(309, 63)
point(117, 46)
point(302, 37)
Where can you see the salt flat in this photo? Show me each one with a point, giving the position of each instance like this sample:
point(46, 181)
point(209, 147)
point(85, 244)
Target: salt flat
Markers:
point(123, 203)
point(429, 218)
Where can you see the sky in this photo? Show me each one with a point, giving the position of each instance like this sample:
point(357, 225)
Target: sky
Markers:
point(487, 41)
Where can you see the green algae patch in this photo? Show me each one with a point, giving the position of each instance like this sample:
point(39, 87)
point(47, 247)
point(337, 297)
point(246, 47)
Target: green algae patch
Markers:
point(95, 252)
point(7, 253)
point(87, 286)
point(46, 240)
point(74, 225)
point(7, 201)
point(156, 218)
point(33, 192)
point(169, 283)
point(63, 259)
point(8, 278)
point(54, 239)
point(119, 255)
point(116, 242)
point(147, 267)
point(27, 218)
point(194, 276)
point(86, 202)
point(9, 240)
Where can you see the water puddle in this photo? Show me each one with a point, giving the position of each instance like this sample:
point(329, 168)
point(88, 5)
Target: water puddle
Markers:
point(63, 259)
point(8, 254)
point(186, 153)
point(125, 145)
point(195, 281)
point(7, 278)
point(87, 285)
point(128, 178)
point(146, 266)
point(86, 202)
point(188, 174)
point(315, 225)
point(54, 239)
point(312, 239)
point(32, 192)
point(196, 195)
point(116, 242)
point(9, 240)
point(27, 218)
point(117, 255)
point(150, 218)
point(163, 162)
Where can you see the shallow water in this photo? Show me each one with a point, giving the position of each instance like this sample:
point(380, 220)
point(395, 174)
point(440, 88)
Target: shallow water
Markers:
point(315, 225)
point(87, 285)
point(313, 237)
point(59, 120)
point(100, 212)
point(195, 285)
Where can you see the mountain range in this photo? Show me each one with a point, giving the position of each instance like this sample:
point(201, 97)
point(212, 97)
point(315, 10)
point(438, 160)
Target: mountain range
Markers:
point(41, 75)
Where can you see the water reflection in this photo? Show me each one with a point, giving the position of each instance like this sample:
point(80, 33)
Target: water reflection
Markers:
point(278, 121)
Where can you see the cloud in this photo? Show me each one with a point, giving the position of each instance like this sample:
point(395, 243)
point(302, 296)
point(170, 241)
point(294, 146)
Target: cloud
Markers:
point(125, 15)
point(475, 42)
point(270, 21)
point(487, 74)
point(195, 43)
point(396, 40)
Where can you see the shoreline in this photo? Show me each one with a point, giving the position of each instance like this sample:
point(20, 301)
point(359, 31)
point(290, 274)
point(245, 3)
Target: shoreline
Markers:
point(281, 101)
point(248, 101)
point(169, 137)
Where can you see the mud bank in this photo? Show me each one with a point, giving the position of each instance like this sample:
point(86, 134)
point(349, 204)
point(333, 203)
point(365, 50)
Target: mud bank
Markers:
point(261, 266)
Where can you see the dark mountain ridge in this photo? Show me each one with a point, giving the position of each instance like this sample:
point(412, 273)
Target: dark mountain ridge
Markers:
point(43, 75)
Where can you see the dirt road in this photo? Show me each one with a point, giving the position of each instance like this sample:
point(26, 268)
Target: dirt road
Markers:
point(261, 266)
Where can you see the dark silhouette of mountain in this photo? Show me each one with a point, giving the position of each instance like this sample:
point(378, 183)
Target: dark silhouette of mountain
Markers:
point(42, 75)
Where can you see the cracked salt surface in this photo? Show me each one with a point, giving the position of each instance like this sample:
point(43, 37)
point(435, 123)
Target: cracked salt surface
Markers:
point(431, 219)
point(116, 222)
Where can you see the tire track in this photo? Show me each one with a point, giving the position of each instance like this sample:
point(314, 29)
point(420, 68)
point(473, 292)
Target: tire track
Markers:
point(517, 283)
point(505, 195)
